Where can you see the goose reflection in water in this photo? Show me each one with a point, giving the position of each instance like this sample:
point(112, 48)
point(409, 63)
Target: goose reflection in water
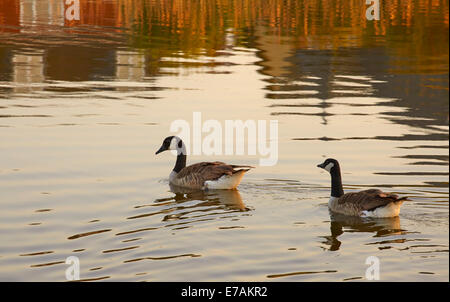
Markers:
point(208, 203)
point(340, 224)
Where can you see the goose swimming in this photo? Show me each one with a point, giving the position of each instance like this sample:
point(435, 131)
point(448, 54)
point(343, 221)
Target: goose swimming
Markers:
point(367, 203)
point(204, 175)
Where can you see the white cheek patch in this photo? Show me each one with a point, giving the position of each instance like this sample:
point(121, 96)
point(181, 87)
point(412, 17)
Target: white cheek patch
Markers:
point(329, 166)
point(173, 144)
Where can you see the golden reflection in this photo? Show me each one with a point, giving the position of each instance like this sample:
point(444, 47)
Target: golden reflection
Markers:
point(9, 16)
point(231, 199)
point(341, 224)
point(188, 206)
point(416, 29)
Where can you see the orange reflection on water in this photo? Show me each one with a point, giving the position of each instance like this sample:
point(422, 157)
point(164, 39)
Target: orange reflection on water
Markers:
point(9, 16)
point(284, 17)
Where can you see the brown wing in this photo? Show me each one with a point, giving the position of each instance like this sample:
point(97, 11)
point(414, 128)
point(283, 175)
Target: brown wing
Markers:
point(369, 199)
point(195, 175)
point(208, 170)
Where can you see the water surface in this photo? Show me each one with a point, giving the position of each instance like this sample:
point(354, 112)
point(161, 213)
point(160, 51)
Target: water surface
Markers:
point(85, 104)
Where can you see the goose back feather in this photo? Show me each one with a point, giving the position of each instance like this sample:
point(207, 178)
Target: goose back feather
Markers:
point(203, 175)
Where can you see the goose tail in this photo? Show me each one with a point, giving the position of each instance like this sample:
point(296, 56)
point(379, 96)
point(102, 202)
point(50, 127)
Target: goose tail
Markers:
point(240, 171)
point(229, 182)
point(242, 166)
point(402, 199)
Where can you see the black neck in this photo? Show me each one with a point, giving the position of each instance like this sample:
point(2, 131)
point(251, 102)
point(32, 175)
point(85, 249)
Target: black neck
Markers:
point(181, 162)
point(181, 158)
point(336, 182)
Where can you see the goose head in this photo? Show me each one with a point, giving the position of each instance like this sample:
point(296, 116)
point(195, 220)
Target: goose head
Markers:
point(171, 143)
point(329, 164)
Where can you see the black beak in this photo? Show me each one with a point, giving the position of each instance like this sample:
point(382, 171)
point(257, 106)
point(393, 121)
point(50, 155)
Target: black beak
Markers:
point(322, 165)
point(160, 150)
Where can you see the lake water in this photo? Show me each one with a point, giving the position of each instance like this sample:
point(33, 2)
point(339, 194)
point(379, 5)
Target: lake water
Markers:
point(84, 105)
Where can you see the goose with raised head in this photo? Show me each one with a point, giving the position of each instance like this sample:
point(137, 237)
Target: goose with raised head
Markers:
point(204, 175)
point(367, 203)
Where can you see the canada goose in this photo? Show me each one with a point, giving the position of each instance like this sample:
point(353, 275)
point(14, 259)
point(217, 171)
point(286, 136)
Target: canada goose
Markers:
point(204, 175)
point(367, 203)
